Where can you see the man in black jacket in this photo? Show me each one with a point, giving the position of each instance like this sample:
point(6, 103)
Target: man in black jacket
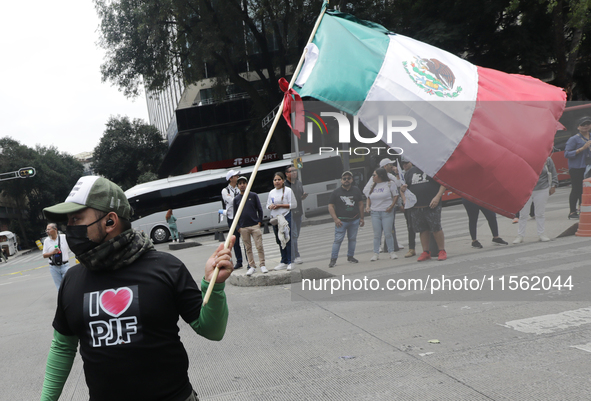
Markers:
point(249, 225)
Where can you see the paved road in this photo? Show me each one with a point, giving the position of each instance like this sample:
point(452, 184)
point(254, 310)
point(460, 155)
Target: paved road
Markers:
point(286, 344)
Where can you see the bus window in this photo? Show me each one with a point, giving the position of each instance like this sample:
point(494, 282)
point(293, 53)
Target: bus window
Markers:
point(316, 171)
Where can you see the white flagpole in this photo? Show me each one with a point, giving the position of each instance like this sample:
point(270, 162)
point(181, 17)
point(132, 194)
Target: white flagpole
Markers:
point(260, 158)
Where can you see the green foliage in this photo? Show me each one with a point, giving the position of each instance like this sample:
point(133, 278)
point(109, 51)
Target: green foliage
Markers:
point(195, 39)
point(147, 177)
point(153, 38)
point(127, 150)
point(56, 174)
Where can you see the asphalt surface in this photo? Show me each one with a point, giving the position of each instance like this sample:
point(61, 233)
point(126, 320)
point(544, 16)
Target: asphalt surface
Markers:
point(287, 343)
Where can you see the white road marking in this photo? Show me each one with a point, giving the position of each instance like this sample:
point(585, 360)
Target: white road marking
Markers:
point(546, 324)
point(583, 347)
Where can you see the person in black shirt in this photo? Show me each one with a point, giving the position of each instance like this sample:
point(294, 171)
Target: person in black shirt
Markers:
point(426, 213)
point(346, 208)
point(121, 305)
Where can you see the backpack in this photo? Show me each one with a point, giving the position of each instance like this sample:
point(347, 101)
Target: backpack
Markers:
point(58, 257)
point(223, 202)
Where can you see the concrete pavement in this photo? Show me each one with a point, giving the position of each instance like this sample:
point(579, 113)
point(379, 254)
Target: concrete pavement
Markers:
point(285, 345)
point(457, 242)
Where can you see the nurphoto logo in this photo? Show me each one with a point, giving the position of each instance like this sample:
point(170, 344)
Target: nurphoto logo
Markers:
point(391, 125)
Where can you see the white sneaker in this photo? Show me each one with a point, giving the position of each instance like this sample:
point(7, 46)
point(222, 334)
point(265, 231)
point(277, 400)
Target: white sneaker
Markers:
point(289, 267)
point(298, 261)
point(250, 271)
point(393, 255)
point(280, 266)
point(543, 238)
point(518, 239)
point(400, 246)
point(375, 257)
point(264, 269)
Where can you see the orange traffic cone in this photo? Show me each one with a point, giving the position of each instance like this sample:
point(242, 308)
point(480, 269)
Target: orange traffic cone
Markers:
point(585, 215)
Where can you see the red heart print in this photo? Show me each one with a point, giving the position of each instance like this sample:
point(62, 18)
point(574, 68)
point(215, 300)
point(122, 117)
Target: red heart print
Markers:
point(116, 302)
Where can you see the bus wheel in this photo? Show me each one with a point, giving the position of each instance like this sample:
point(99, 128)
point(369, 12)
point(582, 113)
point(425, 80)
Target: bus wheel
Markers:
point(160, 234)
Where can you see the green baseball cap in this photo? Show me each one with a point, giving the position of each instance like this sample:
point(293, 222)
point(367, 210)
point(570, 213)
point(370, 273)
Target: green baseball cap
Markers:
point(94, 192)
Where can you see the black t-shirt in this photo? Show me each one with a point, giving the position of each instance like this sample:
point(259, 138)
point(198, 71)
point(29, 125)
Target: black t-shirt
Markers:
point(346, 203)
point(424, 187)
point(126, 321)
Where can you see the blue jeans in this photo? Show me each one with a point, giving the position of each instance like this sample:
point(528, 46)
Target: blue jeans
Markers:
point(296, 225)
point(237, 251)
point(174, 232)
point(350, 228)
point(285, 252)
point(58, 272)
point(382, 222)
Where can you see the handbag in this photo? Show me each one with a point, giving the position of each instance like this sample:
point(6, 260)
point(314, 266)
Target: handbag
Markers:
point(411, 199)
point(549, 176)
point(274, 221)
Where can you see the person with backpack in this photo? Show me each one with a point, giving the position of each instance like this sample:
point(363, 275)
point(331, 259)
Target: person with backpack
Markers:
point(228, 195)
point(56, 249)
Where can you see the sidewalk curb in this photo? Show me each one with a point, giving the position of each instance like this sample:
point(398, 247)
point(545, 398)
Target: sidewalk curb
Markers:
point(277, 278)
point(569, 231)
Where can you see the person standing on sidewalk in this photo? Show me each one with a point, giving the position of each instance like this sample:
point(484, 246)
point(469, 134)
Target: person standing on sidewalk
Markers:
point(381, 200)
point(393, 175)
point(426, 213)
point(578, 153)
point(171, 220)
point(56, 244)
point(280, 202)
point(291, 175)
point(228, 195)
point(473, 211)
point(545, 187)
point(346, 209)
point(249, 225)
point(407, 165)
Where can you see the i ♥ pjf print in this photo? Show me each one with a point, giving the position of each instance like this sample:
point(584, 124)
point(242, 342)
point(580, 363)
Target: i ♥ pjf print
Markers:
point(112, 316)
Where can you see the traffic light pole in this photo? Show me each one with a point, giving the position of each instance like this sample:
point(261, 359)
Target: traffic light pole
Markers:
point(21, 173)
point(9, 176)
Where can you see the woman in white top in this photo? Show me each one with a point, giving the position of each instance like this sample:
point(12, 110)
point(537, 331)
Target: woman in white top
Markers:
point(381, 200)
point(280, 202)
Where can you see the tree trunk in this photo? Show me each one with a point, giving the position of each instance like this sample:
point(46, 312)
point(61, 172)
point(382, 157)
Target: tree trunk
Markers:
point(559, 44)
point(572, 60)
point(21, 225)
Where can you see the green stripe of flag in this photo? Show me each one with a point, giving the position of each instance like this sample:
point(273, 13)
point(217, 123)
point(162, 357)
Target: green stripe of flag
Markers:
point(351, 53)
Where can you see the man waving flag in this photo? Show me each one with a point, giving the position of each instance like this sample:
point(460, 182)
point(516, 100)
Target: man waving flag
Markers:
point(482, 133)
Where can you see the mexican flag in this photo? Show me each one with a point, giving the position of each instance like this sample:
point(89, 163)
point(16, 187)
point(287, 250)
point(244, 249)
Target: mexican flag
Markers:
point(482, 133)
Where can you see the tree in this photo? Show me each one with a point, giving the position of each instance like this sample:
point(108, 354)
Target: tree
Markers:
point(56, 174)
point(569, 24)
point(198, 39)
point(127, 150)
point(151, 40)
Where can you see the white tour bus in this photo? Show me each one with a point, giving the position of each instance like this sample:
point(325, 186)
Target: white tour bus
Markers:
point(196, 198)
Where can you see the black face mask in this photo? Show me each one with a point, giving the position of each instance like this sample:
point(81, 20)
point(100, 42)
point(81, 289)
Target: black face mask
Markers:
point(78, 241)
